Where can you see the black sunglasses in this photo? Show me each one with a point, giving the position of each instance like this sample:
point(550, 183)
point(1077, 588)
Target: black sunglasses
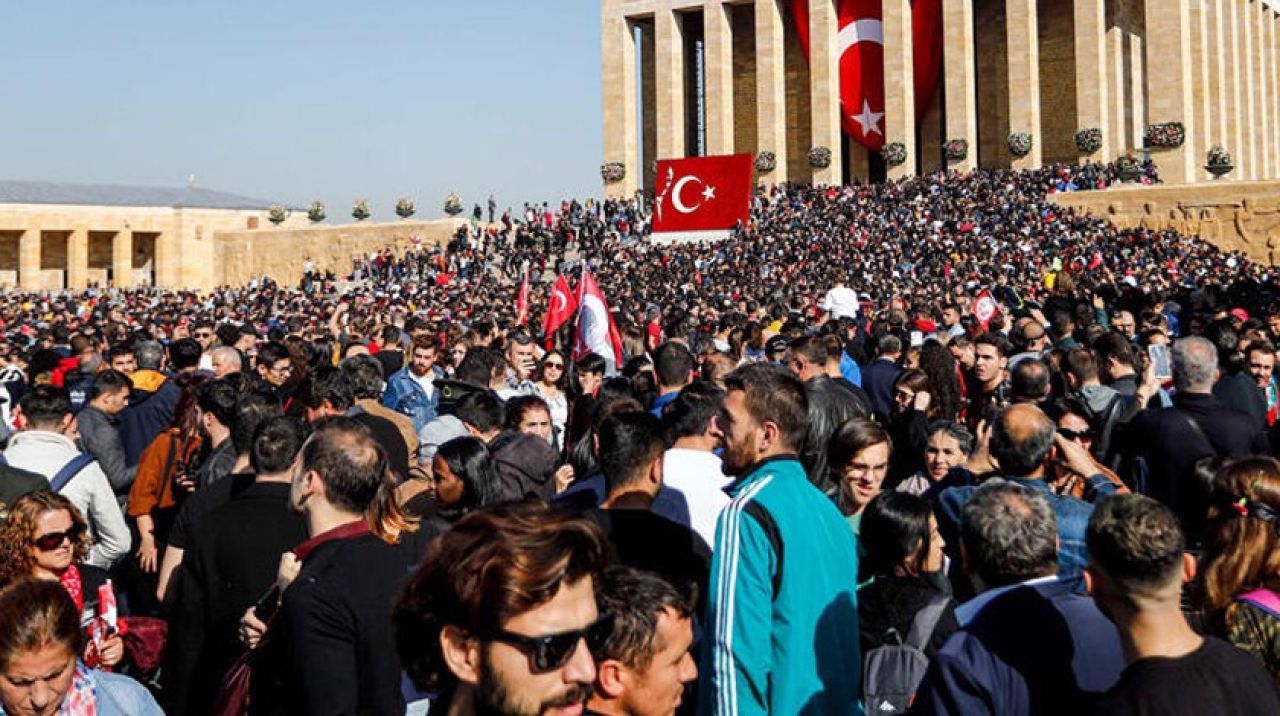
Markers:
point(550, 652)
point(557, 366)
point(1075, 434)
point(54, 540)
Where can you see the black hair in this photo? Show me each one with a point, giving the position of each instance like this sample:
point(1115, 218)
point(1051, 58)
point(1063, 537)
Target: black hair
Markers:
point(629, 443)
point(251, 412)
point(184, 353)
point(364, 372)
point(774, 395)
point(895, 533)
point(218, 398)
point(276, 442)
point(469, 459)
point(692, 411)
point(516, 408)
point(481, 409)
point(672, 363)
point(479, 366)
point(271, 353)
point(44, 406)
point(590, 363)
point(108, 382)
point(327, 383)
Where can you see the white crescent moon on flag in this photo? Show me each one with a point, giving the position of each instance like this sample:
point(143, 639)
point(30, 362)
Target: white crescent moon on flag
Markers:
point(868, 30)
point(563, 299)
point(675, 195)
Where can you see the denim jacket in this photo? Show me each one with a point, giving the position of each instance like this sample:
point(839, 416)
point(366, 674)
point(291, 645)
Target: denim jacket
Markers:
point(404, 395)
point(1072, 516)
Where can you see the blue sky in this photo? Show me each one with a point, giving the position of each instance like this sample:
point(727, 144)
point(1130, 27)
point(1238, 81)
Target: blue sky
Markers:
point(299, 100)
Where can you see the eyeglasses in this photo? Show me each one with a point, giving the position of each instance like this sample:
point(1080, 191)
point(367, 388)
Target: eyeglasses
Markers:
point(202, 334)
point(54, 540)
point(1075, 434)
point(550, 652)
point(556, 366)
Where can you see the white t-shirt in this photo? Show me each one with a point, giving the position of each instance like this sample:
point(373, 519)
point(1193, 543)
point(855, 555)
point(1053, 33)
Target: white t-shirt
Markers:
point(697, 475)
point(841, 301)
point(426, 381)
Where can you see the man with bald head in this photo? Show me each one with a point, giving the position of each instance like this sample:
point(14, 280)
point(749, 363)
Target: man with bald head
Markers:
point(1024, 444)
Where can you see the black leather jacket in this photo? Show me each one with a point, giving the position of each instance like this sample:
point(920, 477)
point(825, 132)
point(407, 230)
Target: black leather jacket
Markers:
point(830, 405)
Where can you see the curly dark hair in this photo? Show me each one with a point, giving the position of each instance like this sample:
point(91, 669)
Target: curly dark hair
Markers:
point(18, 533)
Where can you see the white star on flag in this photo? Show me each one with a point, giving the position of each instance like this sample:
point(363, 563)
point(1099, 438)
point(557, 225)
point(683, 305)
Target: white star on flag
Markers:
point(709, 193)
point(869, 120)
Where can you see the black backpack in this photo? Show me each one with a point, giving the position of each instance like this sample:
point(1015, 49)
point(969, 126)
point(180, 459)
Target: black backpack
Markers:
point(892, 672)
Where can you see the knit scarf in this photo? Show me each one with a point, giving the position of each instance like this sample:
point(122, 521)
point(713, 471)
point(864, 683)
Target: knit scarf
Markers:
point(81, 699)
point(71, 581)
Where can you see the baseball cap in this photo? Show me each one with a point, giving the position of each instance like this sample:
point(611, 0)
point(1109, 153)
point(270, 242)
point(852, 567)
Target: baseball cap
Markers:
point(777, 344)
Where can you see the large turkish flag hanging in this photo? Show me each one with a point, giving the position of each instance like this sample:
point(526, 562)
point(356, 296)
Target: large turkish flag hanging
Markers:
point(860, 45)
point(702, 193)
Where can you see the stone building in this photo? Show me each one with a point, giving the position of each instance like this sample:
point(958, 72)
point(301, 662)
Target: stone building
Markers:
point(55, 236)
point(71, 236)
point(690, 77)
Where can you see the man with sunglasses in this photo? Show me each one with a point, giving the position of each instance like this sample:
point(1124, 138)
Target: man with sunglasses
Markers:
point(502, 616)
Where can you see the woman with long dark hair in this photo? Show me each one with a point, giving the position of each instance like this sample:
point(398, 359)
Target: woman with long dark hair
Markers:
point(902, 570)
point(464, 478)
point(552, 384)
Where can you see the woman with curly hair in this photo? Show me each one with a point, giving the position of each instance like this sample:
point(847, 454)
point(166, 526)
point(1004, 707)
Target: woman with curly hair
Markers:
point(1240, 566)
point(46, 537)
point(939, 366)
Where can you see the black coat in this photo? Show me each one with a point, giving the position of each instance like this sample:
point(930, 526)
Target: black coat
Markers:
point(892, 602)
point(150, 411)
point(331, 648)
point(1169, 445)
point(231, 560)
point(830, 406)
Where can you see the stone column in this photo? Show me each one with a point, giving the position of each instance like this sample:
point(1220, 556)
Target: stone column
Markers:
point(29, 260)
point(1264, 119)
point(1169, 93)
point(1091, 73)
point(78, 258)
point(1249, 84)
point(1201, 89)
point(618, 52)
point(1215, 54)
point(1235, 141)
point(899, 85)
point(960, 78)
point(122, 256)
point(771, 88)
point(1024, 77)
point(824, 87)
point(1117, 97)
point(1137, 89)
point(717, 34)
point(669, 85)
point(1273, 86)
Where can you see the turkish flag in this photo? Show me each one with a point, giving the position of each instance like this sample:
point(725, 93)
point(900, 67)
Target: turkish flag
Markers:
point(522, 299)
point(985, 308)
point(597, 332)
point(702, 193)
point(560, 307)
point(926, 50)
point(860, 45)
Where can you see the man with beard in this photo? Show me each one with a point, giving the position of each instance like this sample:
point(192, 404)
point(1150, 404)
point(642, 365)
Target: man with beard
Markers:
point(501, 618)
point(782, 607)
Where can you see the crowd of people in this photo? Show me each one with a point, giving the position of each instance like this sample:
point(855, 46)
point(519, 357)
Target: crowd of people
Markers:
point(934, 446)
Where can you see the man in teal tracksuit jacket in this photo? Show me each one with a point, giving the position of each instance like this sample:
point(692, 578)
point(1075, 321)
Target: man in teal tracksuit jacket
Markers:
point(782, 617)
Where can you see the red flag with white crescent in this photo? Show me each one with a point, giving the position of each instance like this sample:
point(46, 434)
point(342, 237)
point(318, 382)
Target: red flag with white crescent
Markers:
point(702, 193)
point(522, 299)
point(985, 308)
point(597, 331)
point(860, 45)
point(561, 305)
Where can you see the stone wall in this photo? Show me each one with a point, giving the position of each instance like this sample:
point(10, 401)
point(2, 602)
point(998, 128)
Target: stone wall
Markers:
point(1057, 82)
point(281, 253)
point(992, 77)
point(1236, 216)
point(745, 138)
